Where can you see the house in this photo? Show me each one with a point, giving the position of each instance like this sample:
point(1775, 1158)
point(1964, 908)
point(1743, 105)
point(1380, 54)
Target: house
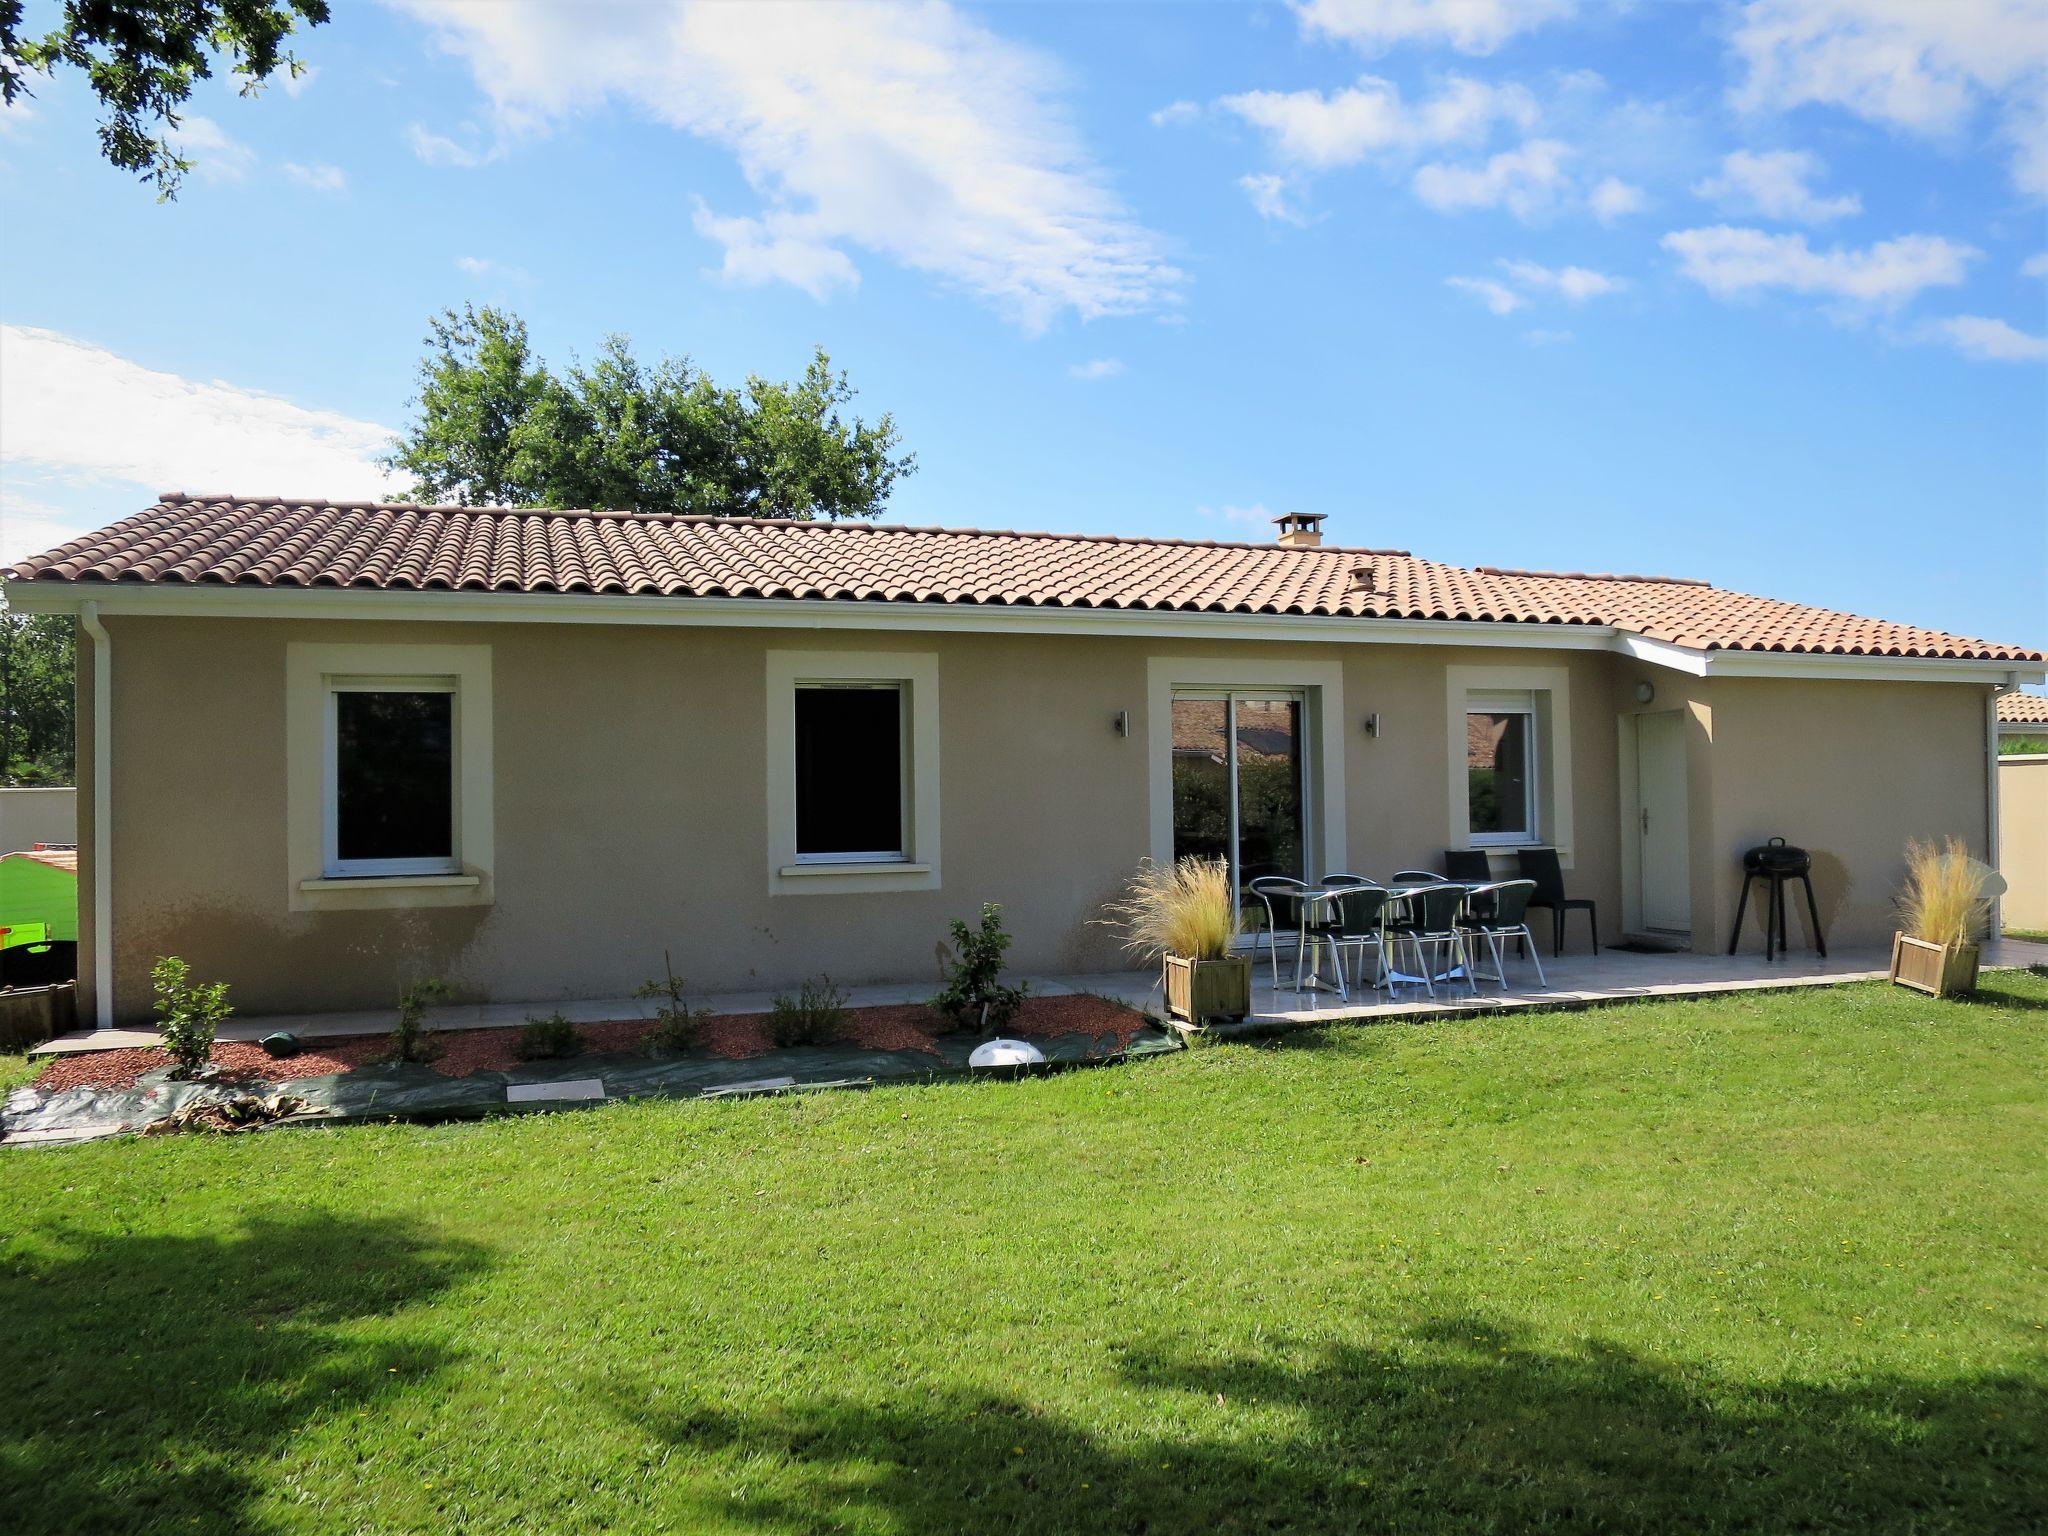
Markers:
point(2023, 722)
point(2023, 809)
point(327, 747)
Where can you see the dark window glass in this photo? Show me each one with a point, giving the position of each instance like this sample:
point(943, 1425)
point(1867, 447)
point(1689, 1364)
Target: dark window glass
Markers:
point(1497, 772)
point(849, 770)
point(394, 775)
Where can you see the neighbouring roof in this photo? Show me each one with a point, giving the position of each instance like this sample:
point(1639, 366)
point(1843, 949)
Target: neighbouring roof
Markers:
point(56, 858)
point(2023, 709)
point(275, 542)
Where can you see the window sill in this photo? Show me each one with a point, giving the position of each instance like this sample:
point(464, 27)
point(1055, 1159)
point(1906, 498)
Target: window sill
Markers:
point(861, 867)
point(390, 882)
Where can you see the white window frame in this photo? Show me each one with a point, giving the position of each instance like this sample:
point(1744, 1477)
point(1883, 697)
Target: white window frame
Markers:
point(332, 865)
point(1547, 691)
point(905, 768)
point(317, 881)
point(914, 867)
point(1523, 704)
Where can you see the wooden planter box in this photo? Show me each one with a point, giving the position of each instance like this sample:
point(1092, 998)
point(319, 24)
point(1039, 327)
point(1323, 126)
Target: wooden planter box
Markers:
point(1201, 990)
point(1939, 970)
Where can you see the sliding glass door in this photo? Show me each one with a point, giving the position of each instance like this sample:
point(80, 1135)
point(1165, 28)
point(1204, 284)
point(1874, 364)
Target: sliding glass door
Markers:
point(1239, 792)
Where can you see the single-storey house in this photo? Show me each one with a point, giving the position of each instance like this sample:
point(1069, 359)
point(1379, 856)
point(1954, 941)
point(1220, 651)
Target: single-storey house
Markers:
point(328, 747)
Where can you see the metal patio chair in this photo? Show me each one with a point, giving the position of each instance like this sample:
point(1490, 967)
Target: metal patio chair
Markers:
point(1361, 924)
point(1502, 914)
point(1286, 893)
point(1427, 923)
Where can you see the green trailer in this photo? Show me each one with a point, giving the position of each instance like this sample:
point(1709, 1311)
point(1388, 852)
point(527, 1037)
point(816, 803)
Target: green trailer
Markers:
point(38, 913)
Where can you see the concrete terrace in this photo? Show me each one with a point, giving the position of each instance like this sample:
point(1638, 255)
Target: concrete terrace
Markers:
point(1576, 980)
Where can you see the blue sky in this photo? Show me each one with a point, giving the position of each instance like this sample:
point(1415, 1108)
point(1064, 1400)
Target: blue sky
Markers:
point(1754, 292)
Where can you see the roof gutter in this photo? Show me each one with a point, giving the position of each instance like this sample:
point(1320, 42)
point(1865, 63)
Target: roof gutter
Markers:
point(102, 814)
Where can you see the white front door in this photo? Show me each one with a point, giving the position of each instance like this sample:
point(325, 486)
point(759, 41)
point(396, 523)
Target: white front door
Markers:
point(1661, 822)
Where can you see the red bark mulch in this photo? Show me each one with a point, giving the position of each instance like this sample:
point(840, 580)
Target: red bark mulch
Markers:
point(731, 1037)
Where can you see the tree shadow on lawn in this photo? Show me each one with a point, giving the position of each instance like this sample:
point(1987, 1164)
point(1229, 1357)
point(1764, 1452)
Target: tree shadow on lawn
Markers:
point(146, 1376)
point(1460, 1427)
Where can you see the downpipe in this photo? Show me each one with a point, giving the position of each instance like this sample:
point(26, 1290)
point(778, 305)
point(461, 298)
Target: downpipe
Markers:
point(102, 814)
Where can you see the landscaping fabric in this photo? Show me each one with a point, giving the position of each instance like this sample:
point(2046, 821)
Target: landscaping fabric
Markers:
point(408, 1091)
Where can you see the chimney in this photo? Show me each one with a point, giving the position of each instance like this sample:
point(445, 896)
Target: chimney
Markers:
point(1300, 530)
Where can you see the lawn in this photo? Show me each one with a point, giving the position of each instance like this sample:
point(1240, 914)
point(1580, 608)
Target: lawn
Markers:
point(1761, 1263)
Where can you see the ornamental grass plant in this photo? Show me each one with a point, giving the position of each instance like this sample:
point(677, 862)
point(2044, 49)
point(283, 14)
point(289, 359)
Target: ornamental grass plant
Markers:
point(1945, 899)
point(1181, 909)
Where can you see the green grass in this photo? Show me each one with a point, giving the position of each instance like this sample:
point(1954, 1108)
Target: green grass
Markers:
point(1764, 1263)
point(2039, 936)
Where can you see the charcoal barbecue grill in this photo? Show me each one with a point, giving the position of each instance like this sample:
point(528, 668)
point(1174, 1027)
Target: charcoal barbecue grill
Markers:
point(1776, 862)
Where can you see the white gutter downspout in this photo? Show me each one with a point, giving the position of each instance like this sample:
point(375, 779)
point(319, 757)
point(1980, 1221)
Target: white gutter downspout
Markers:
point(102, 815)
point(1997, 924)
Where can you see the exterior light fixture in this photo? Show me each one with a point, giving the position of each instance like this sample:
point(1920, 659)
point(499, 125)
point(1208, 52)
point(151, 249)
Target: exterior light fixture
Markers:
point(1645, 691)
point(1120, 722)
point(1006, 1053)
point(1372, 725)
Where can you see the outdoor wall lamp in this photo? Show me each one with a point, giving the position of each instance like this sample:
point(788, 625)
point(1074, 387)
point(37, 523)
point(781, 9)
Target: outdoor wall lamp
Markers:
point(1372, 725)
point(1645, 691)
point(1120, 722)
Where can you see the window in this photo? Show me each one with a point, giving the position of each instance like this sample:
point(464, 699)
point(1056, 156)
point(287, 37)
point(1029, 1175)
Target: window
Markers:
point(853, 772)
point(851, 788)
point(391, 776)
point(388, 778)
point(1500, 774)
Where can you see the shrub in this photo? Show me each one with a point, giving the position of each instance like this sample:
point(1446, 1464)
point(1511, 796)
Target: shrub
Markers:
point(1179, 909)
point(548, 1039)
point(411, 1040)
point(974, 994)
point(188, 1014)
point(816, 1014)
point(676, 1023)
point(1945, 899)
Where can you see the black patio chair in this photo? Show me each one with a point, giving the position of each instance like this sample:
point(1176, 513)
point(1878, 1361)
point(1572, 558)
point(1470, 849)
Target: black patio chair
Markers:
point(1468, 865)
point(1541, 866)
point(1493, 915)
point(1426, 921)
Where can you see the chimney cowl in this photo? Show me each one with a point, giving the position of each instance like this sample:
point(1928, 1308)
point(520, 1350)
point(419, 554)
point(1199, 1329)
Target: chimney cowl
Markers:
point(1300, 530)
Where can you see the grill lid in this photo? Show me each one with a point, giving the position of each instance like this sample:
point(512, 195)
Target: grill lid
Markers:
point(1777, 857)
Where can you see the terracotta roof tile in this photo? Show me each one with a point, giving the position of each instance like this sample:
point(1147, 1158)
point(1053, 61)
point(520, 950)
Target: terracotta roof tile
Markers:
point(277, 542)
point(2023, 708)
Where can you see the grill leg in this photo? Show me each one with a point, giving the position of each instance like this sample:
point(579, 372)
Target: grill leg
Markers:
point(1741, 907)
point(1772, 891)
point(1813, 916)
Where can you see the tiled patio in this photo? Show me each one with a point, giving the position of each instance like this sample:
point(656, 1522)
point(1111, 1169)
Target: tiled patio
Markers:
point(1575, 980)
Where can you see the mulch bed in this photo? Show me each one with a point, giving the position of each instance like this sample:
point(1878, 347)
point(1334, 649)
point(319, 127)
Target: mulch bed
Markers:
point(731, 1037)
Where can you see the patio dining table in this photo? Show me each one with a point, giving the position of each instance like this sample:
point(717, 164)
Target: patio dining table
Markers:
point(1310, 902)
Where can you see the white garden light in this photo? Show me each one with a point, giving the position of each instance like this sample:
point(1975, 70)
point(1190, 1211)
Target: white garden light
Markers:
point(1006, 1053)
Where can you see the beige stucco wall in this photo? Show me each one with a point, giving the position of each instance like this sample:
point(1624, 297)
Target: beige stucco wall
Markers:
point(1849, 771)
point(630, 808)
point(31, 816)
point(2023, 839)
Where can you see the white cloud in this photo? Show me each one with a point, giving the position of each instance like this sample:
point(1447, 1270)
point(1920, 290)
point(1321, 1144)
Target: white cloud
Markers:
point(1523, 280)
point(1922, 66)
point(319, 177)
point(1729, 262)
point(1527, 181)
point(28, 527)
point(1470, 26)
point(1772, 184)
point(1272, 195)
point(81, 413)
point(1543, 338)
point(296, 85)
point(1258, 516)
point(1614, 198)
point(1498, 297)
point(1988, 340)
point(2035, 266)
point(1576, 284)
point(214, 156)
point(1369, 119)
point(1175, 113)
point(1097, 368)
point(438, 149)
point(777, 247)
point(912, 131)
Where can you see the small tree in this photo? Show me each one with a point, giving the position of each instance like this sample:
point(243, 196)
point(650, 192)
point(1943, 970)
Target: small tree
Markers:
point(975, 995)
point(411, 1040)
point(188, 1014)
point(676, 1023)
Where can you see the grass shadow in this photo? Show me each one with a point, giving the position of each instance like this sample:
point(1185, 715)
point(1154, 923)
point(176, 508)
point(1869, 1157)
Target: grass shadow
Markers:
point(149, 1375)
point(1458, 1425)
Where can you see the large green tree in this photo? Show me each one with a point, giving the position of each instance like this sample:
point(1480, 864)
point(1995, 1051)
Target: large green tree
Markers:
point(36, 682)
point(494, 425)
point(142, 58)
